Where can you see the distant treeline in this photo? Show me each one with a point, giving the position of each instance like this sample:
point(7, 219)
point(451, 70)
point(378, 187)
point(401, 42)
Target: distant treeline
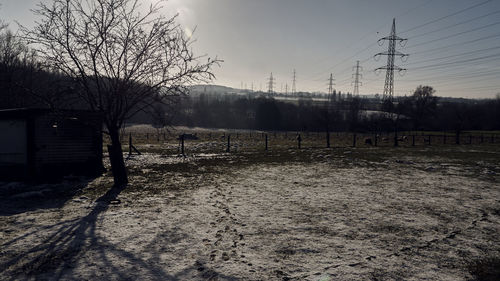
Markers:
point(26, 83)
point(417, 112)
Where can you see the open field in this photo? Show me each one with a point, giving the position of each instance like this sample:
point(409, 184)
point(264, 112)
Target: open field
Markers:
point(216, 140)
point(364, 213)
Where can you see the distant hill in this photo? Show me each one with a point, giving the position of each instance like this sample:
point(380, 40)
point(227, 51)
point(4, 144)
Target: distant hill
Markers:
point(212, 89)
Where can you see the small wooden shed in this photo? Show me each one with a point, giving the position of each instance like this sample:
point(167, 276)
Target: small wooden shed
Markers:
point(44, 144)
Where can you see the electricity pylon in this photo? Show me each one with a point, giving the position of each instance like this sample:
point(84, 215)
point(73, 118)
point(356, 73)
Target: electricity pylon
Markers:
point(294, 89)
point(271, 84)
point(330, 88)
point(357, 76)
point(390, 67)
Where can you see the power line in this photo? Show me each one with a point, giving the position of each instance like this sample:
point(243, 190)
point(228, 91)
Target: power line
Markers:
point(454, 35)
point(457, 55)
point(454, 25)
point(459, 44)
point(447, 16)
point(456, 76)
point(457, 62)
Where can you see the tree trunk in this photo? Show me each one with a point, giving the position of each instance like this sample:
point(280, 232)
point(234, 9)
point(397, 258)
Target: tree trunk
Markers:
point(116, 159)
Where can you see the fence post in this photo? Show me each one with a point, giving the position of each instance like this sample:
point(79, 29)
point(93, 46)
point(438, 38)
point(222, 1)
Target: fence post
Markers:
point(354, 140)
point(129, 144)
point(412, 140)
point(266, 142)
point(299, 140)
point(376, 139)
point(228, 143)
point(182, 144)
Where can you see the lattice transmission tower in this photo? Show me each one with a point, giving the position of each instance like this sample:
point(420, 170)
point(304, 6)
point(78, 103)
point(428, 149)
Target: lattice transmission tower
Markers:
point(357, 76)
point(270, 84)
point(390, 67)
point(294, 89)
point(331, 95)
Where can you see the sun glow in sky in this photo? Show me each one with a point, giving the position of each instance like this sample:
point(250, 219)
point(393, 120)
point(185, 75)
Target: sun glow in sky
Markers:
point(453, 45)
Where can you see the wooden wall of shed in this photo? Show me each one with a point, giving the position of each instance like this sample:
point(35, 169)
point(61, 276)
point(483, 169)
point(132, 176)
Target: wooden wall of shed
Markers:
point(70, 144)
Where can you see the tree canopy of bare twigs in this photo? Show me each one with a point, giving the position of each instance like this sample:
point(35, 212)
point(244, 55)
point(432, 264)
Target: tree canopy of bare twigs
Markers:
point(122, 60)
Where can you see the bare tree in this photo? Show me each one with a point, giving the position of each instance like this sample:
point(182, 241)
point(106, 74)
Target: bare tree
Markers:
point(123, 60)
point(423, 105)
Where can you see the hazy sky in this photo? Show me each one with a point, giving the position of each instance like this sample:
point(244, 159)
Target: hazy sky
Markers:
point(453, 45)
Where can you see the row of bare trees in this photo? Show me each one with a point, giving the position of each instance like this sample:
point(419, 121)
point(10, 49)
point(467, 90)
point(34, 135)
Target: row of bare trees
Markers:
point(421, 111)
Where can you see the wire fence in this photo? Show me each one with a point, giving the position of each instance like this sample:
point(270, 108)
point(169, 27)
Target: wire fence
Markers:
point(251, 141)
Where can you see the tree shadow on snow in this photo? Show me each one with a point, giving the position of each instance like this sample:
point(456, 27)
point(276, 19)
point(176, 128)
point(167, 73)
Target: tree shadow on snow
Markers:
point(17, 198)
point(56, 255)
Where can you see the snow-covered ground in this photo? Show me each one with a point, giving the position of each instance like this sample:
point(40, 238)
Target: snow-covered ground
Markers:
point(342, 214)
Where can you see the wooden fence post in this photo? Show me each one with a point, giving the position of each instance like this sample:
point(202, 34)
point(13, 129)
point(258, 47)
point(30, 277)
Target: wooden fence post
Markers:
point(129, 144)
point(299, 140)
point(228, 143)
point(182, 144)
point(412, 140)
